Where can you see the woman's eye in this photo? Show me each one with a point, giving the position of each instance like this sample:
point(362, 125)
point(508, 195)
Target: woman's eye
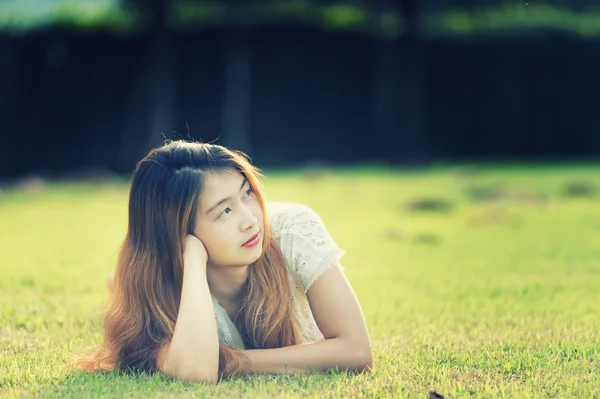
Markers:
point(223, 213)
point(248, 192)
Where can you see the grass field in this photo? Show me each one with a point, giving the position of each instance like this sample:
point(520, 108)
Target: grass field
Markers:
point(480, 282)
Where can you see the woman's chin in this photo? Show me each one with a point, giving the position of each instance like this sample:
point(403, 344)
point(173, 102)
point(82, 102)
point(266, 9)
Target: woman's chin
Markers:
point(254, 259)
point(256, 256)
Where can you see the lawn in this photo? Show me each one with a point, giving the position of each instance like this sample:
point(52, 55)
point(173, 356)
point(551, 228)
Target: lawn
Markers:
point(475, 282)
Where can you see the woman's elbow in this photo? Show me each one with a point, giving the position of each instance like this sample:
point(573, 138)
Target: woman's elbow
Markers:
point(365, 363)
point(364, 360)
point(194, 376)
point(201, 377)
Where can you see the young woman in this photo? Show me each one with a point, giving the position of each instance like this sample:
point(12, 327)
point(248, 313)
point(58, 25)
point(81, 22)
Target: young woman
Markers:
point(212, 281)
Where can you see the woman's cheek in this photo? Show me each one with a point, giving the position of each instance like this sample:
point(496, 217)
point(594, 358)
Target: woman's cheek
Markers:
point(221, 237)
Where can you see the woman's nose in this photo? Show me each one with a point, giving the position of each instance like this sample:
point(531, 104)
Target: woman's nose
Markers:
point(249, 220)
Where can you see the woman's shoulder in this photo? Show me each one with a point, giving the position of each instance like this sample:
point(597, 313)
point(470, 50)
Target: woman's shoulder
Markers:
point(304, 241)
point(287, 216)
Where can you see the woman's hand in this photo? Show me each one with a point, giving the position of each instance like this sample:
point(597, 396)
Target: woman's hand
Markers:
point(194, 249)
point(193, 352)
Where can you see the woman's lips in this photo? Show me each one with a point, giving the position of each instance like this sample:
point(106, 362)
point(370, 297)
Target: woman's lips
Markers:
point(252, 241)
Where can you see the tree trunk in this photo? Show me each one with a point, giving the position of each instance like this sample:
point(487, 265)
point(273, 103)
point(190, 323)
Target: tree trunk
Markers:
point(162, 107)
point(412, 102)
point(236, 98)
point(385, 97)
point(9, 77)
point(149, 114)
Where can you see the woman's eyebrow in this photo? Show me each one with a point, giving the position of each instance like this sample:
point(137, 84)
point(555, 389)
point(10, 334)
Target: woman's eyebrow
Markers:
point(212, 208)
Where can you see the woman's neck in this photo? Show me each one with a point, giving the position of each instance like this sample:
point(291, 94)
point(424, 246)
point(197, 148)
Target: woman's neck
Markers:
point(225, 283)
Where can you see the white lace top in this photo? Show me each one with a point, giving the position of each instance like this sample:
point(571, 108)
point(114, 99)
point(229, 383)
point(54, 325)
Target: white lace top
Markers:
point(309, 252)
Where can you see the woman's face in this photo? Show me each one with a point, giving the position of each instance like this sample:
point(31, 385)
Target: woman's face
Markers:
point(229, 214)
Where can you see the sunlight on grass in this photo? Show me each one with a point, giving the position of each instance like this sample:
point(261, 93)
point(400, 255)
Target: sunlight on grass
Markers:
point(478, 284)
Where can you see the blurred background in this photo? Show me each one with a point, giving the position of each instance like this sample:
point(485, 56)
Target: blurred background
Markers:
point(89, 86)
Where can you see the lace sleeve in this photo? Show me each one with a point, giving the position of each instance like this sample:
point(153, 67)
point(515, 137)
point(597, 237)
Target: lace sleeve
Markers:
point(307, 245)
point(226, 330)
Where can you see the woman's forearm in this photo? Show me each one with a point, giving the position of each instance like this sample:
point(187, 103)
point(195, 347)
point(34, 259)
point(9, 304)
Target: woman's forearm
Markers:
point(193, 353)
point(317, 356)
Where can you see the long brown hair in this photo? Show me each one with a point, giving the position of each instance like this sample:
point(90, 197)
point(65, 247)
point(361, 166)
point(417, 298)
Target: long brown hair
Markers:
point(144, 303)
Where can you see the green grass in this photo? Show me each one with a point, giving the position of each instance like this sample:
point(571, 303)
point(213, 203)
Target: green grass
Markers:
point(495, 298)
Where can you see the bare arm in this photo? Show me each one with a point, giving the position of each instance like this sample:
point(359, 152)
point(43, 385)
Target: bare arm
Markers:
point(338, 314)
point(193, 353)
